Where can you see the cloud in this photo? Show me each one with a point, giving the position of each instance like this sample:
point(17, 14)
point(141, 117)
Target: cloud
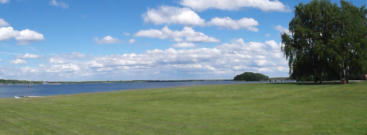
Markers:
point(77, 55)
point(187, 34)
point(4, 1)
point(132, 41)
point(66, 58)
point(107, 40)
point(173, 15)
point(184, 45)
point(57, 60)
point(27, 35)
point(264, 5)
point(69, 67)
point(227, 22)
point(229, 58)
point(59, 4)
point(24, 36)
point(126, 34)
point(30, 56)
point(18, 61)
point(282, 29)
point(185, 16)
point(221, 61)
point(7, 33)
point(272, 44)
point(3, 23)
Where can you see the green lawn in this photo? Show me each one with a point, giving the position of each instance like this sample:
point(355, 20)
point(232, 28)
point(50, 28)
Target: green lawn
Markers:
point(252, 109)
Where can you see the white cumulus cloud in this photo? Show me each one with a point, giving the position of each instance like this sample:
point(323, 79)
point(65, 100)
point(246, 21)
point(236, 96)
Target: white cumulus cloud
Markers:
point(173, 15)
point(187, 17)
point(282, 29)
point(187, 34)
point(184, 45)
point(132, 41)
point(4, 1)
point(221, 61)
point(229, 58)
point(18, 61)
point(3, 23)
point(227, 22)
point(70, 67)
point(7, 33)
point(126, 34)
point(27, 35)
point(59, 4)
point(24, 36)
point(107, 40)
point(30, 56)
point(264, 5)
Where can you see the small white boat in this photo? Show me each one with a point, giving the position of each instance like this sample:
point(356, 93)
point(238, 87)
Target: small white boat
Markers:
point(17, 97)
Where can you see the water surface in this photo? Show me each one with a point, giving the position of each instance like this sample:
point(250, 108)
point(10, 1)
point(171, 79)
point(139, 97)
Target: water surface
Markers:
point(11, 90)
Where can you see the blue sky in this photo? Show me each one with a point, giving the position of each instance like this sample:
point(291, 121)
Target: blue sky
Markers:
point(82, 40)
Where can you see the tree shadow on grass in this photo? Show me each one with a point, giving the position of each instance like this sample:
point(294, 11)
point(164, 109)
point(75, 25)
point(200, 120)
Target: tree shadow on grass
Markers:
point(323, 83)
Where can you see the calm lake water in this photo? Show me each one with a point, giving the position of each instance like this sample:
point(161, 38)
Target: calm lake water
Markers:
point(7, 90)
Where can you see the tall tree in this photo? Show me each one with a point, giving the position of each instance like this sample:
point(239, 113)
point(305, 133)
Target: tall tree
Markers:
point(307, 47)
point(327, 41)
point(351, 44)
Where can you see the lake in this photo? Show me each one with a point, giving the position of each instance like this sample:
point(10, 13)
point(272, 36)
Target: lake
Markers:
point(11, 90)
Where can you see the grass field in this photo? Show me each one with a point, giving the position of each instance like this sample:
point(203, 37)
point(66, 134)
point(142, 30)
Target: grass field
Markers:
point(252, 109)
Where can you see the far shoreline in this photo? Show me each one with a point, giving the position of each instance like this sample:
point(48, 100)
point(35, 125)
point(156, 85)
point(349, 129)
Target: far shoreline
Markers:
point(101, 82)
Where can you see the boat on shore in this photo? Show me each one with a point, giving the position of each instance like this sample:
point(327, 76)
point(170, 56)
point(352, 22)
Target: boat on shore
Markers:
point(17, 97)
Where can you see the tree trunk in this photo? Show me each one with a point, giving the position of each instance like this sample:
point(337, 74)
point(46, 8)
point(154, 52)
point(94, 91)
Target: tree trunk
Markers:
point(315, 75)
point(343, 79)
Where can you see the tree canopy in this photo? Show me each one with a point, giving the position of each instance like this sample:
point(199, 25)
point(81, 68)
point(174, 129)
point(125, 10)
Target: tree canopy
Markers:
point(327, 41)
point(249, 76)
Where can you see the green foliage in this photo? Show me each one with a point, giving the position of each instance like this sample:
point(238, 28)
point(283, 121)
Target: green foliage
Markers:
point(249, 76)
point(327, 41)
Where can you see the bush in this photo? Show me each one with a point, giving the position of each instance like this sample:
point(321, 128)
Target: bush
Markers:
point(249, 76)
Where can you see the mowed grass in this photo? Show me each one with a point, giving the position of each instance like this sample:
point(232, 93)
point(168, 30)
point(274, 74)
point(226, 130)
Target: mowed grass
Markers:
point(253, 109)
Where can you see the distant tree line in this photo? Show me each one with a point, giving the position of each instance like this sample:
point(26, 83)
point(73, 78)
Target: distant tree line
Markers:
point(249, 76)
point(327, 41)
point(2, 81)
